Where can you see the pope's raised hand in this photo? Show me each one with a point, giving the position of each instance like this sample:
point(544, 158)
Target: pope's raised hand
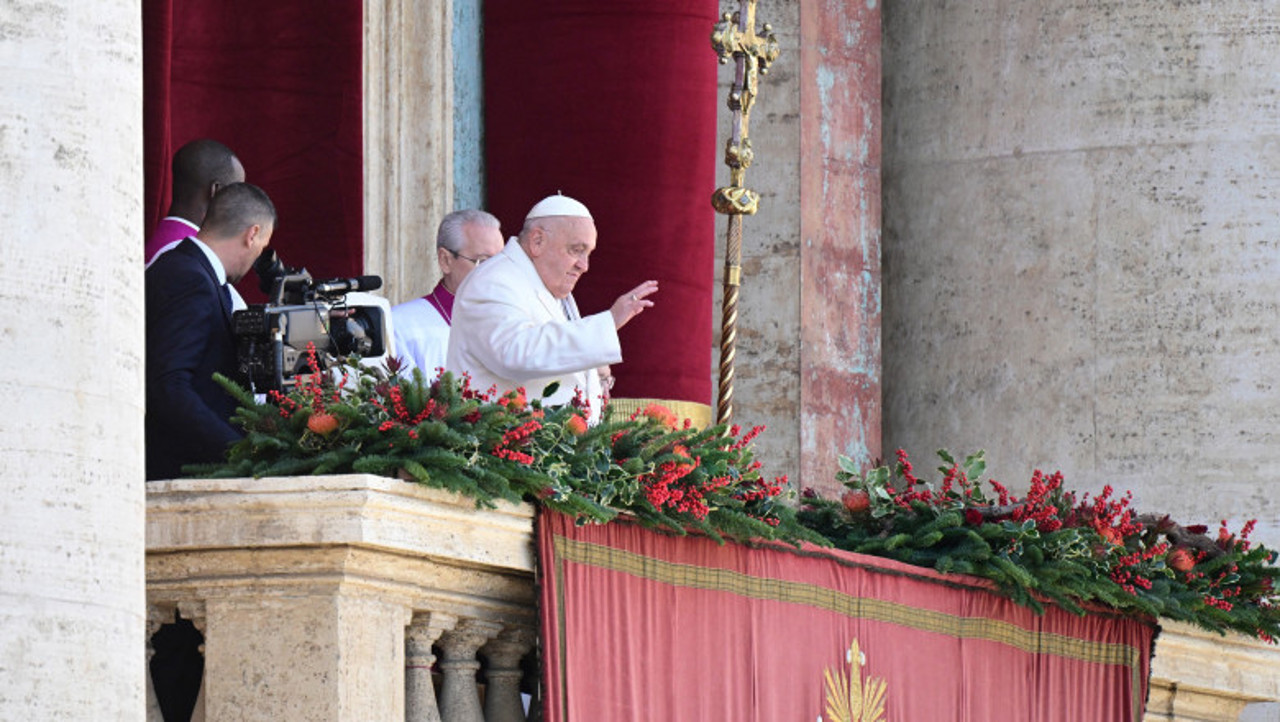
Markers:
point(630, 304)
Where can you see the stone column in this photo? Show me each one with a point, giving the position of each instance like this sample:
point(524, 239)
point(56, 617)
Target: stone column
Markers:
point(419, 689)
point(503, 653)
point(408, 146)
point(459, 700)
point(71, 376)
point(840, 399)
point(265, 651)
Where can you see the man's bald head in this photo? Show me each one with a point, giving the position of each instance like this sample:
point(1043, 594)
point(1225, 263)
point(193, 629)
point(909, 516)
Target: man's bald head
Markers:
point(200, 168)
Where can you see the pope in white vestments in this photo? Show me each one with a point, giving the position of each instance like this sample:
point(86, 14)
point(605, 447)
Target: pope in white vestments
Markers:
point(515, 323)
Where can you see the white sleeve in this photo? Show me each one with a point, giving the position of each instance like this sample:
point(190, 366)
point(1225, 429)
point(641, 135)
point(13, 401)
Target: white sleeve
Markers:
point(516, 345)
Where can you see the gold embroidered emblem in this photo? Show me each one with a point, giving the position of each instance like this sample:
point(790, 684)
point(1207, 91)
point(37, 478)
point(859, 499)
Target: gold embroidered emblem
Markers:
point(850, 698)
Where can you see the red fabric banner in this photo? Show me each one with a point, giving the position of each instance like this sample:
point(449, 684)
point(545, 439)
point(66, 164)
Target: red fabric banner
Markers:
point(614, 103)
point(639, 625)
point(280, 84)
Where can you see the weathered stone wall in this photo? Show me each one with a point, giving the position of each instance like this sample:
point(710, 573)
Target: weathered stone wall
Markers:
point(1081, 245)
point(71, 371)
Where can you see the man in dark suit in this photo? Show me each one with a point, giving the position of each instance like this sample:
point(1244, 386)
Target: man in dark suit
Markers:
point(189, 331)
point(188, 339)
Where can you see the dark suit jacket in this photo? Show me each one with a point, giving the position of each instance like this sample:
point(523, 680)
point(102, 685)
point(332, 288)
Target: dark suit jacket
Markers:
point(188, 338)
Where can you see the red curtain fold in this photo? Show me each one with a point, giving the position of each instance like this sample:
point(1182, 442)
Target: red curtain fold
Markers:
point(615, 104)
point(644, 626)
point(281, 85)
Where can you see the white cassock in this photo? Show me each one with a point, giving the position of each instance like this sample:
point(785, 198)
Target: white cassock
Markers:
point(422, 335)
point(509, 331)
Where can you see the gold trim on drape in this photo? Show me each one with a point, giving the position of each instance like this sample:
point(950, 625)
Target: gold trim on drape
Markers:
point(700, 414)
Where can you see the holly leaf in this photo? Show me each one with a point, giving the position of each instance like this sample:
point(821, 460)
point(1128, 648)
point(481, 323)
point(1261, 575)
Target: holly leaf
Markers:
point(847, 464)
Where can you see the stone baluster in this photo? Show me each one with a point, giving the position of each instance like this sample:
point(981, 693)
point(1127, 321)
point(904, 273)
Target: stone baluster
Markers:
point(194, 611)
point(459, 699)
point(419, 690)
point(503, 653)
point(156, 617)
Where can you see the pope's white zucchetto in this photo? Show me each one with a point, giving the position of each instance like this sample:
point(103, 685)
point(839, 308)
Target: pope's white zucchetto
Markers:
point(558, 205)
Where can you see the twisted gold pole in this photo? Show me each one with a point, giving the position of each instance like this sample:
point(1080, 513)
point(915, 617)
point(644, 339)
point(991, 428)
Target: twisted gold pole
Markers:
point(735, 37)
point(729, 318)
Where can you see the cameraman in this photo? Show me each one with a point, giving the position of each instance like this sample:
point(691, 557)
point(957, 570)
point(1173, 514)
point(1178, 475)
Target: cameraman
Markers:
point(188, 312)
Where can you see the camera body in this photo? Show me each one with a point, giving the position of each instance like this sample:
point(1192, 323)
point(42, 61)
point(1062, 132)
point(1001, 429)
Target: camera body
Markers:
point(335, 315)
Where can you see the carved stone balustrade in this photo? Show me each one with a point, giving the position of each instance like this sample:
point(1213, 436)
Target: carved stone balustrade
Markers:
point(331, 597)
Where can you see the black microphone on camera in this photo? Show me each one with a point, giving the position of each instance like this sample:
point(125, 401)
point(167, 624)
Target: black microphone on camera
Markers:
point(347, 285)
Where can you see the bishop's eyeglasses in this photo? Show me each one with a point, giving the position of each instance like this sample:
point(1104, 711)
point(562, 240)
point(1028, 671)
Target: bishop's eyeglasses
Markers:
point(476, 261)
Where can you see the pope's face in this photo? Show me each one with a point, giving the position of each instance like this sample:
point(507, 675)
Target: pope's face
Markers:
point(560, 251)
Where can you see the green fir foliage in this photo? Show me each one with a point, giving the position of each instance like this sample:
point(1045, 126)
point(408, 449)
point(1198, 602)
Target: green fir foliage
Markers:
point(1047, 546)
point(444, 434)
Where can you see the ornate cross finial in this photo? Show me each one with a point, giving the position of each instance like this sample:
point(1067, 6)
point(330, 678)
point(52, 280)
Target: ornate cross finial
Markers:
point(735, 37)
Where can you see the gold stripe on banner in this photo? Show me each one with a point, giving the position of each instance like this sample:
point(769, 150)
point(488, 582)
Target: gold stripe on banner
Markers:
point(878, 610)
point(699, 414)
point(560, 620)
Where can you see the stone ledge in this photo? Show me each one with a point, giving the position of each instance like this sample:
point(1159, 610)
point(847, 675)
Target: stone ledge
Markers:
point(358, 510)
point(1199, 675)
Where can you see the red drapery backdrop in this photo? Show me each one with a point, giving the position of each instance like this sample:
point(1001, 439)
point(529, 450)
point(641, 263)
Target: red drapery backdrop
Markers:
point(615, 104)
point(638, 625)
point(280, 84)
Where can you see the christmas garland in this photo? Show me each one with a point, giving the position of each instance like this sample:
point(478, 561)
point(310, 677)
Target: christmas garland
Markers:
point(1047, 545)
point(1051, 545)
point(443, 433)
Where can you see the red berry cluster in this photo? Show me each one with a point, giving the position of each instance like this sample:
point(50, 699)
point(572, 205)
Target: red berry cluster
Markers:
point(288, 405)
point(669, 487)
point(515, 437)
point(1127, 573)
point(760, 488)
point(513, 455)
point(311, 387)
point(915, 490)
point(1039, 504)
point(399, 415)
point(1111, 519)
point(470, 393)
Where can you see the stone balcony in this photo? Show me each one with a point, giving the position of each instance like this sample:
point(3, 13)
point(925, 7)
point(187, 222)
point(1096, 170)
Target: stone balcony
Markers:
point(329, 598)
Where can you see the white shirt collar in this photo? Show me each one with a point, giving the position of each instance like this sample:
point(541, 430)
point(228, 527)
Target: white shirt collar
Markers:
point(183, 221)
point(218, 269)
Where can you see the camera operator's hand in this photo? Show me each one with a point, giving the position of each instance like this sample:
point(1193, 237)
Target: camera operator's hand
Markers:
point(631, 304)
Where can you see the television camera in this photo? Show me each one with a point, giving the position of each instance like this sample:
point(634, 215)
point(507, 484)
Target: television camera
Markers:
point(335, 315)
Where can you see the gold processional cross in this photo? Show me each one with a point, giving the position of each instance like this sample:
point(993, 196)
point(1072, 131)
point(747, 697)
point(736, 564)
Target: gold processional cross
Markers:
point(735, 36)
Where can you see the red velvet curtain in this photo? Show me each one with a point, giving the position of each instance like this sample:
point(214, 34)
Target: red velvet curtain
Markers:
point(638, 625)
point(614, 103)
point(280, 84)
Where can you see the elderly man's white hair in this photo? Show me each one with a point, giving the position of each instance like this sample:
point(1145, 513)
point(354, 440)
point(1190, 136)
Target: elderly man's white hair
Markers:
point(450, 237)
